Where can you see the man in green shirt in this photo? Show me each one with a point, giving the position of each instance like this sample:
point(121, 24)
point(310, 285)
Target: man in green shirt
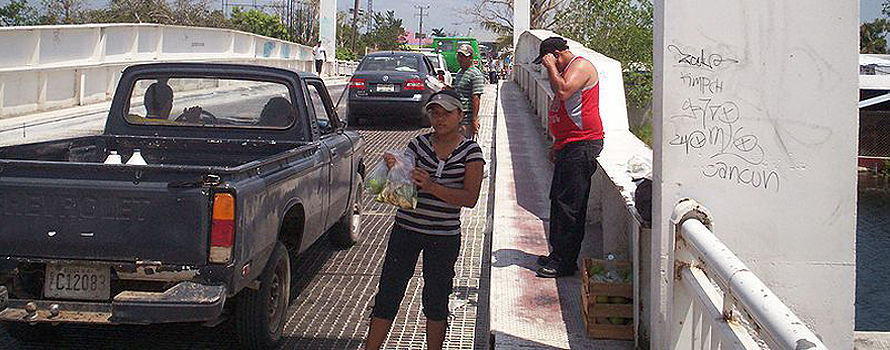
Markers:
point(469, 83)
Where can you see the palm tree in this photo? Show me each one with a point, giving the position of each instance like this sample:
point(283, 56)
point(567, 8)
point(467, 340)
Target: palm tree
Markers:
point(871, 37)
point(440, 32)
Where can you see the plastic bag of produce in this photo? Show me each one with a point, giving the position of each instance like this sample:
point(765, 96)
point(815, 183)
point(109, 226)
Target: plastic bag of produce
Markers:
point(376, 180)
point(398, 188)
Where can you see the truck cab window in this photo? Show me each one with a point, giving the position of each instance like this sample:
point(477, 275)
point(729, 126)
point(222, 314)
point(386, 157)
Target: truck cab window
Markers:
point(211, 102)
point(319, 103)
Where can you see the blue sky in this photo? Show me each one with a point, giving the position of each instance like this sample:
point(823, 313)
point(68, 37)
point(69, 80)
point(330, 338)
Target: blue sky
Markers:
point(869, 10)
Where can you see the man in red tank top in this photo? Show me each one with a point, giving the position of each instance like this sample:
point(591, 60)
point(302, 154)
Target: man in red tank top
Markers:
point(577, 130)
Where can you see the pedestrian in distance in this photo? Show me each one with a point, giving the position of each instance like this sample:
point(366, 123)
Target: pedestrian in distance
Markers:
point(577, 129)
point(320, 56)
point(448, 175)
point(470, 83)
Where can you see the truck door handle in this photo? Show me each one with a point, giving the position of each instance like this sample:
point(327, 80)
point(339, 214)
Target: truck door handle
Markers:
point(333, 153)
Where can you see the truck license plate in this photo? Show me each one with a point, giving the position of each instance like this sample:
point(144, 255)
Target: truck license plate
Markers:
point(385, 88)
point(77, 282)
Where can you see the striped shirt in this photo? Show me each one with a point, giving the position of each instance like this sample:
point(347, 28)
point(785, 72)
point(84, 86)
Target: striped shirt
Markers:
point(433, 216)
point(469, 82)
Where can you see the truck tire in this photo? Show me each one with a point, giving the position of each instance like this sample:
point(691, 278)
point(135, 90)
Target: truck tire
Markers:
point(347, 231)
point(260, 314)
point(24, 332)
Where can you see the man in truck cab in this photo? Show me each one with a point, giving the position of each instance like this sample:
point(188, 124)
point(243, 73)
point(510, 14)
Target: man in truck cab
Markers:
point(158, 100)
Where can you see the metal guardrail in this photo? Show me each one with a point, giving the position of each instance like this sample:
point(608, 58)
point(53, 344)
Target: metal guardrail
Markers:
point(717, 301)
point(53, 67)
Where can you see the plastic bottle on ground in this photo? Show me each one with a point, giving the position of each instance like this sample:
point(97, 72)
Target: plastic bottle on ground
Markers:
point(611, 269)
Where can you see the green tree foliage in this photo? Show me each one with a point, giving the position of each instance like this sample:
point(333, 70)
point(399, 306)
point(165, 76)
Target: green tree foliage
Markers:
point(387, 32)
point(18, 13)
point(872, 36)
point(178, 12)
point(258, 22)
point(62, 11)
point(497, 16)
point(438, 32)
point(620, 29)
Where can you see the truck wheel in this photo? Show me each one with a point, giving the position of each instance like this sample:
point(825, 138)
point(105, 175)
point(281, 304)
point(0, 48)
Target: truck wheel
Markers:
point(260, 314)
point(24, 332)
point(347, 231)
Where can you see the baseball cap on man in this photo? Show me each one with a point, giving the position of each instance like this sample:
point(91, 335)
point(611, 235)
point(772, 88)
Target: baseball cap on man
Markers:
point(465, 49)
point(551, 45)
point(447, 99)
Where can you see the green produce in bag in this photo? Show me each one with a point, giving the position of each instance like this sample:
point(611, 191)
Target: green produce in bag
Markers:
point(376, 180)
point(398, 187)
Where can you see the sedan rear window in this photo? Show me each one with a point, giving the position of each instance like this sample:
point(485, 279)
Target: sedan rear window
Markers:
point(398, 63)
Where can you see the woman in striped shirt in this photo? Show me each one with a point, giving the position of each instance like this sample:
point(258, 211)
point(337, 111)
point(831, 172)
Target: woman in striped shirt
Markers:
point(448, 175)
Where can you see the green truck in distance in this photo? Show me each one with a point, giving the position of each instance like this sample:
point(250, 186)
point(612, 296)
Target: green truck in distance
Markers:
point(448, 46)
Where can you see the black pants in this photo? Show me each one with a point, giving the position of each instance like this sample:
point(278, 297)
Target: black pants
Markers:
point(318, 66)
point(569, 192)
point(439, 255)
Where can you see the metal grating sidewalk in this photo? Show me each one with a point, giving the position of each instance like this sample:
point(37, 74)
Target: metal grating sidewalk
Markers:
point(333, 289)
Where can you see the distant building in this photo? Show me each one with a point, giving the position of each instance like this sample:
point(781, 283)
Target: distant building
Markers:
point(410, 38)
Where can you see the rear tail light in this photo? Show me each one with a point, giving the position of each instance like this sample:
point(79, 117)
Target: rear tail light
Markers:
point(222, 228)
point(356, 83)
point(414, 85)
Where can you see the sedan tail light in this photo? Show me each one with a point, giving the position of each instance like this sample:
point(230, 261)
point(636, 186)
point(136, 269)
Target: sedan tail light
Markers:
point(222, 228)
point(357, 83)
point(414, 84)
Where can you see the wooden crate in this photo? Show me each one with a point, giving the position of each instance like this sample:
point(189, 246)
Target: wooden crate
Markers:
point(591, 311)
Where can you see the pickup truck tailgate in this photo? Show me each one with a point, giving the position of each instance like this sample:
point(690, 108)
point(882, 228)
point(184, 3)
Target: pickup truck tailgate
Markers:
point(106, 220)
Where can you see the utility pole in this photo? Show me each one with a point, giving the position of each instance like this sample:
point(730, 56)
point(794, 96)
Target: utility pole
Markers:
point(370, 14)
point(419, 34)
point(355, 23)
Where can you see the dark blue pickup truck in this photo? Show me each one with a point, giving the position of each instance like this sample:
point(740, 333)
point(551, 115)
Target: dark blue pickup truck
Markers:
point(207, 180)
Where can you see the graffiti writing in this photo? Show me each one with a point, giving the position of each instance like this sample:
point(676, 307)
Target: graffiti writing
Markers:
point(700, 59)
point(704, 84)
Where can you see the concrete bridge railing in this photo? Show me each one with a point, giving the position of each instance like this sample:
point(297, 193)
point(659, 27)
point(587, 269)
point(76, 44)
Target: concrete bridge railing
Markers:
point(709, 320)
point(53, 67)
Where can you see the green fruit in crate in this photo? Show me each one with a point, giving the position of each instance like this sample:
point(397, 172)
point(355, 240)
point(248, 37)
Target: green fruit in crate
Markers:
point(602, 299)
point(616, 320)
point(619, 300)
point(596, 270)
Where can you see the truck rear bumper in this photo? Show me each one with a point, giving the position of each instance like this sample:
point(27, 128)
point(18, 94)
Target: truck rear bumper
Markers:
point(184, 302)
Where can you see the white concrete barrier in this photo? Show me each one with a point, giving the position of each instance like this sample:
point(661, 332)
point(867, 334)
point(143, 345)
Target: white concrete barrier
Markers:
point(51, 67)
point(611, 194)
point(756, 118)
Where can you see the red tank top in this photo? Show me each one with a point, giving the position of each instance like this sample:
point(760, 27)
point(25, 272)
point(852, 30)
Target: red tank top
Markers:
point(578, 117)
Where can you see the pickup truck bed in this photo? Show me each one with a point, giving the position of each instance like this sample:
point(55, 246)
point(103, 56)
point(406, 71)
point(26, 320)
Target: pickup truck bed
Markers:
point(157, 151)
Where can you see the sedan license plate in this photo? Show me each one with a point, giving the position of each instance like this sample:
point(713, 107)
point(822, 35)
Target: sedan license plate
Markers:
point(77, 282)
point(385, 88)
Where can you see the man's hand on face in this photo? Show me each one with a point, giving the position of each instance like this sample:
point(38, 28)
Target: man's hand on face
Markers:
point(549, 61)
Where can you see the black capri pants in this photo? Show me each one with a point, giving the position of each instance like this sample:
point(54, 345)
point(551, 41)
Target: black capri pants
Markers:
point(439, 256)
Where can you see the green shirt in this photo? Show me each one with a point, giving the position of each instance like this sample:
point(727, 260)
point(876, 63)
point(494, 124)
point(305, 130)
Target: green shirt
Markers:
point(469, 82)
